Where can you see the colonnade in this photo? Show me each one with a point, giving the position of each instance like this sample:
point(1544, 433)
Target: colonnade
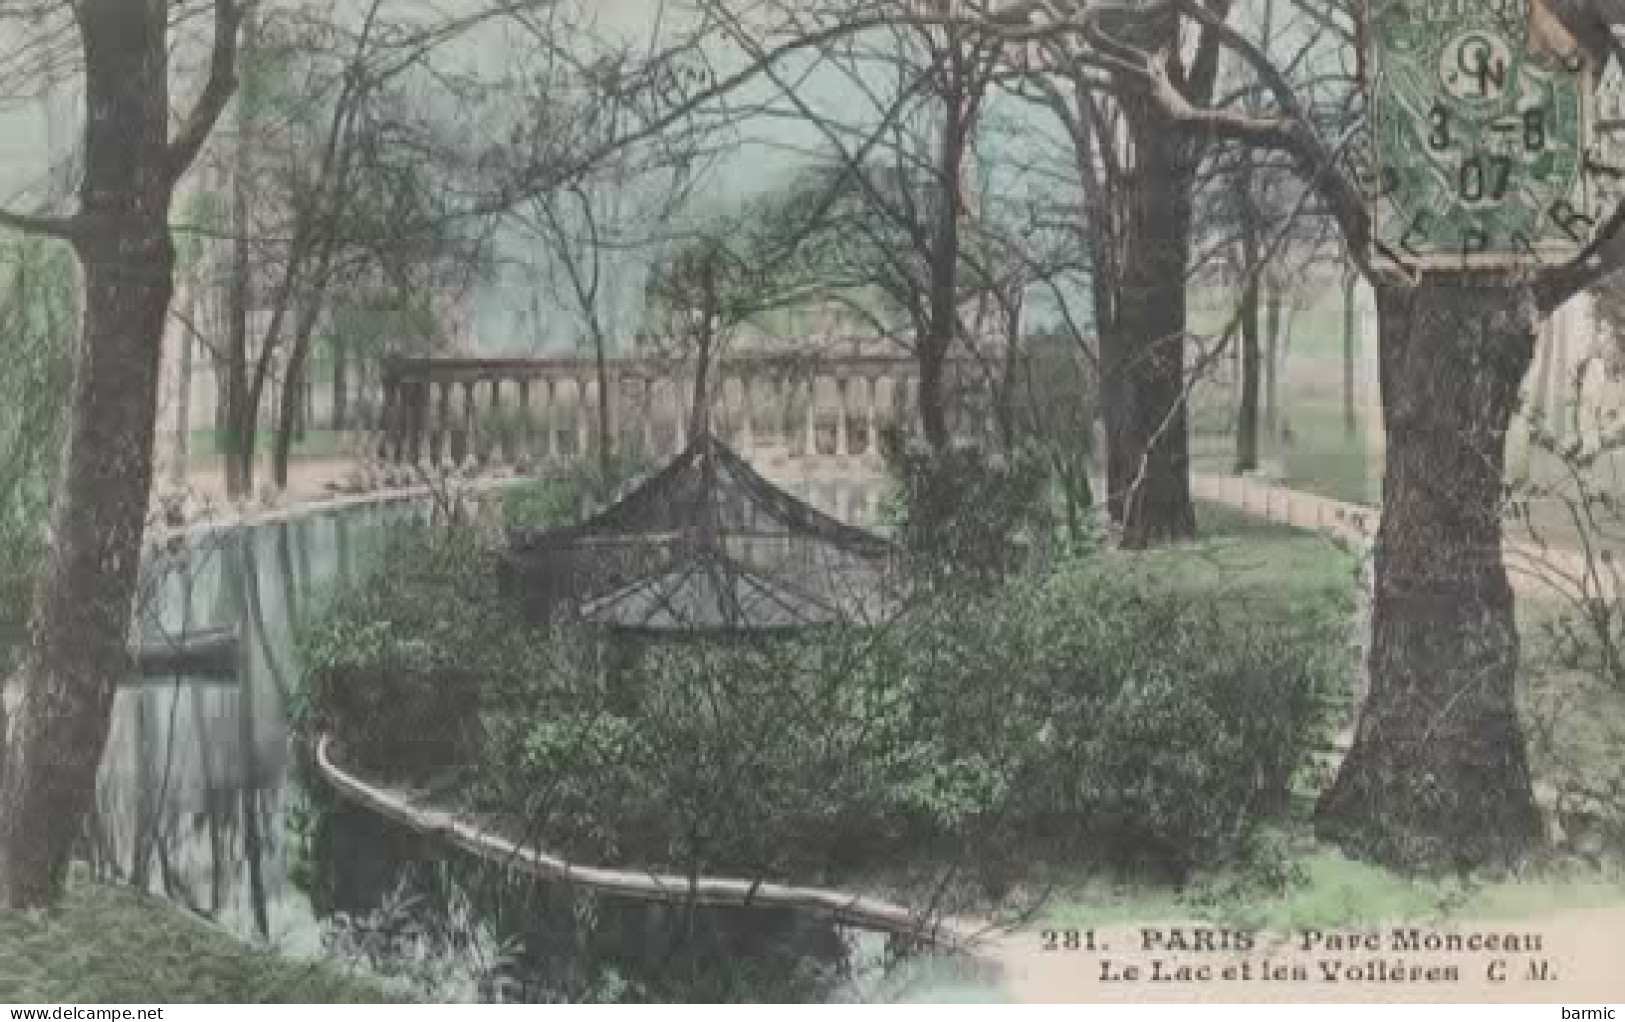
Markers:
point(479, 412)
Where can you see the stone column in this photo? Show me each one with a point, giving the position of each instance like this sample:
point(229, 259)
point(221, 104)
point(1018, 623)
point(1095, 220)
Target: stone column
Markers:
point(584, 414)
point(681, 410)
point(471, 442)
point(388, 445)
point(417, 394)
point(438, 435)
point(747, 428)
point(550, 421)
point(522, 442)
point(812, 415)
point(496, 449)
point(871, 427)
point(646, 417)
point(843, 445)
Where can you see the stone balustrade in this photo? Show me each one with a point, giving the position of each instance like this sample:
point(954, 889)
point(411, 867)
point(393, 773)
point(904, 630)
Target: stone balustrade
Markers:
point(465, 412)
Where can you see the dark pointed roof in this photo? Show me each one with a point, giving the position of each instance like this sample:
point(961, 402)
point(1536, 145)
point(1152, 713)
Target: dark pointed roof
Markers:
point(704, 544)
point(708, 593)
point(709, 488)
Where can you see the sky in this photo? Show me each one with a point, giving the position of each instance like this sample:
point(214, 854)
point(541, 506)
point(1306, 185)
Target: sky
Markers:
point(521, 312)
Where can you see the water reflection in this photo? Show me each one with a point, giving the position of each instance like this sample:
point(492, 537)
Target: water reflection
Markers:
point(198, 773)
point(201, 801)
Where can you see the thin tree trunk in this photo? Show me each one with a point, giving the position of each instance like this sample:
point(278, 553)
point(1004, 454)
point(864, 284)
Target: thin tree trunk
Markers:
point(292, 392)
point(241, 418)
point(1438, 772)
point(82, 605)
point(606, 437)
point(183, 396)
point(1278, 322)
point(1247, 411)
point(1351, 425)
point(943, 294)
point(1272, 362)
point(341, 383)
point(1252, 271)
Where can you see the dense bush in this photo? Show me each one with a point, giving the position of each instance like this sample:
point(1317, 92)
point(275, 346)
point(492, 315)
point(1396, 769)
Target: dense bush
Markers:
point(36, 319)
point(1078, 712)
point(1093, 712)
point(554, 500)
point(966, 515)
point(400, 665)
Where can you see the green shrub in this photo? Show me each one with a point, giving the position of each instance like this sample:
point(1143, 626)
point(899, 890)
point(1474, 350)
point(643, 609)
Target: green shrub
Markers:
point(400, 666)
point(553, 500)
point(1077, 710)
point(1091, 711)
point(966, 515)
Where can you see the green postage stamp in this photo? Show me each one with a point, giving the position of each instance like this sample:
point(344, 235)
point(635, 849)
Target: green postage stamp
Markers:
point(1481, 125)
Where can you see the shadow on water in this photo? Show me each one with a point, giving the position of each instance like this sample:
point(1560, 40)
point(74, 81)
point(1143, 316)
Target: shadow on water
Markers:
point(201, 800)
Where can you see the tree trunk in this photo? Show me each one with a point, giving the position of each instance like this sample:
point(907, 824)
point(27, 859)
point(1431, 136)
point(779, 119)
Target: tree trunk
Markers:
point(943, 282)
point(82, 605)
point(183, 396)
point(1278, 322)
point(291, 399)
point(1351, 426)
point(287, 423)
point(341, 383)
point(1114, 356)
point(1155, 452)
point(1438, 773)
point(1247, 411)
point(237, 442)
point(1252, 271)
point(1272, 363)
point(606, 435)
point(243, 402)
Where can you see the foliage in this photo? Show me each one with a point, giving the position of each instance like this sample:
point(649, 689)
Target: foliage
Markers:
point(1574, 701)
point(1609, 306)
point(1079, 709)
point(966, 515)
point(106, 944)
point(396, 667)
point(554, 500)
point(37, 320)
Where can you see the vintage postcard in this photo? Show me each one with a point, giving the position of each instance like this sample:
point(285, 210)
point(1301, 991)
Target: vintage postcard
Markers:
point(811, 501)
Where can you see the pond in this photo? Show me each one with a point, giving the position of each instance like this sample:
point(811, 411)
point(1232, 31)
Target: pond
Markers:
point(202, 800)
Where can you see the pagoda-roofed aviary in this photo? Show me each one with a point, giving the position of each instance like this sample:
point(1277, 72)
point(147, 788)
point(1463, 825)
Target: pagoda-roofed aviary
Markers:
point(705, 546)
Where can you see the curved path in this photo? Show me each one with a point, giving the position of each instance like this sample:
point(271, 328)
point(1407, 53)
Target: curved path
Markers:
point(1535, 569)
point(956, 935)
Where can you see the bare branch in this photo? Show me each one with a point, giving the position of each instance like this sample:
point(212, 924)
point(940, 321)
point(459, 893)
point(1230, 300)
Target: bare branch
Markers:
point(222, 82)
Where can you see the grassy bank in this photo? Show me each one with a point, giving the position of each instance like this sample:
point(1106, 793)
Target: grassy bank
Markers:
point(1317, 888)
point(110, 944)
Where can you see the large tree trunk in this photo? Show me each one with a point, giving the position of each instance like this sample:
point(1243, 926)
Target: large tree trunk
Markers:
point(1438, 774)
point(1154, 452)
point(82, 606)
